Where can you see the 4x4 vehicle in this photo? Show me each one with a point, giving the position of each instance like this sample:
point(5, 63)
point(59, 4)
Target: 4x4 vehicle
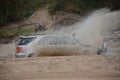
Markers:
point(42, 45)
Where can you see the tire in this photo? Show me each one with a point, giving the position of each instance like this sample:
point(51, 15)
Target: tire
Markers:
point(31, 55)
point(99, 52)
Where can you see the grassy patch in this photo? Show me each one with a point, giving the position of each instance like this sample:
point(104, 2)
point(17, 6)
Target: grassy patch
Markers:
point(17, 31)
point(26, 30)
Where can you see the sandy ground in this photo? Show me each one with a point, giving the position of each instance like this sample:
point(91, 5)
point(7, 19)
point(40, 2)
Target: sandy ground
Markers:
point(7, 50)
point(40, 16)
point(83, 67)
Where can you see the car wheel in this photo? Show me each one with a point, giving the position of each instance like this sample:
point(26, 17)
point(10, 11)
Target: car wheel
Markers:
point(31, 55)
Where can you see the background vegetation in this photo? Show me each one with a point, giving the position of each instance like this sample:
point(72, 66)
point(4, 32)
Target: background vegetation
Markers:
point(82, 6)
point(12, 32)
point(13, 10)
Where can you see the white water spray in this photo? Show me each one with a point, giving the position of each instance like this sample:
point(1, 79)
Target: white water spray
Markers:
point(89, 31)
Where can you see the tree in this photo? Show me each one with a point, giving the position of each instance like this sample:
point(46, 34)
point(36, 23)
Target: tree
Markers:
point(12, 10)
point(82, 6)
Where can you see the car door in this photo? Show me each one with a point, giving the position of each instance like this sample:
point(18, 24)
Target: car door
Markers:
point(57, 46)
point(67, 46)
point(47, 46)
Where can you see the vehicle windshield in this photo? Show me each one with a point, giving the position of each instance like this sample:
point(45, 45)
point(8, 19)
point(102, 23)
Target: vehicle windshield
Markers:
point(25, 41)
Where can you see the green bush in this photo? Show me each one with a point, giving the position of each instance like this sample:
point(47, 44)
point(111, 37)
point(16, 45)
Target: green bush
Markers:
point(17, 31)
point(81, 6)
point(12, 10)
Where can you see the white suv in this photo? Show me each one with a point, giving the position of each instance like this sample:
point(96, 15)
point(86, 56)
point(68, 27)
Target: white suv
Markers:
point(41, 45)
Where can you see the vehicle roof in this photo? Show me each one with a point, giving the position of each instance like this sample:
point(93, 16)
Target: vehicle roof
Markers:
point(40, 35)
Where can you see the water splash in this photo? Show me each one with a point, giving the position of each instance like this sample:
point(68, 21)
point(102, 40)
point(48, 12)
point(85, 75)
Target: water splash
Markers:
point(89, 30)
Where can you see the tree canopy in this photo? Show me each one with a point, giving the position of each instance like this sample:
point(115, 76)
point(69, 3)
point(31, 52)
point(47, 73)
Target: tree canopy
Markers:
point(82, 6)
point(12, 10)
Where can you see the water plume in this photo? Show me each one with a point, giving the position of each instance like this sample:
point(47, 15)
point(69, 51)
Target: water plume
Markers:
point(89, 31)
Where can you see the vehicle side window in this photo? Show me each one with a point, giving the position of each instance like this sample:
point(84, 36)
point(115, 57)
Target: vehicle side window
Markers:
point(49, 40)
point(66, 40)
point(56, 40)
point(25, 41)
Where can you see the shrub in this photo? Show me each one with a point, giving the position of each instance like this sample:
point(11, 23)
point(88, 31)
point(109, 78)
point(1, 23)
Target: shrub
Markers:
point(12, 10)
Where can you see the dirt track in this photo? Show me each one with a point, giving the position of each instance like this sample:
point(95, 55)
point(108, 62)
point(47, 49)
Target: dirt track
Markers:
point(84, 67)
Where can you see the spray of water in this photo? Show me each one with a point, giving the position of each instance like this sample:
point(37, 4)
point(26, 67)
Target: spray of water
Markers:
point(89, 31)
point(100, 21)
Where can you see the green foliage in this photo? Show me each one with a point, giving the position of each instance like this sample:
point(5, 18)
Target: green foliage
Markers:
point(12, 10)
point(81, 6)
point(17, 31)
point(25, 30)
